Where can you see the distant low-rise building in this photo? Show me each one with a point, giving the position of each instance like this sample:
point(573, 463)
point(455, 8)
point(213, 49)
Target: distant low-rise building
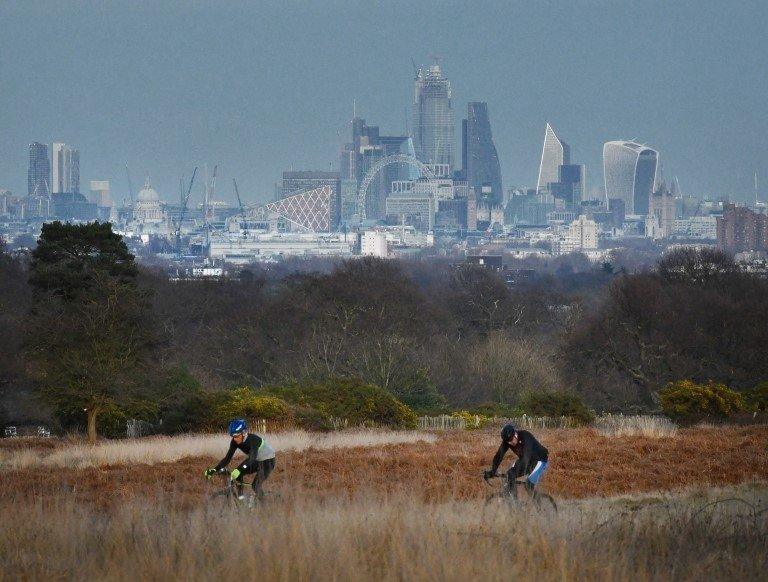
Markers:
point(696, 227)
point(580, 235)
point(374, 244)
point(269, 247)
point(740, 229)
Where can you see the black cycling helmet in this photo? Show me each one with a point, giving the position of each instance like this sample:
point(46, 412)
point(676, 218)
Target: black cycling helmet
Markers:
point(507, 432)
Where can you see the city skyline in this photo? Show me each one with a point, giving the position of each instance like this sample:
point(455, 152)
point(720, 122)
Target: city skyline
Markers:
point(124, 105)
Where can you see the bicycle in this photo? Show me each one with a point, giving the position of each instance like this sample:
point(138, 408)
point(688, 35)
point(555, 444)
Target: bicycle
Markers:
point(233, 493)
point(506, 493)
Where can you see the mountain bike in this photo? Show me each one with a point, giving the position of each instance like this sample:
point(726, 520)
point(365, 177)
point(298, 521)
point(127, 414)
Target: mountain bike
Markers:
point(234, 495)
point(507, 493)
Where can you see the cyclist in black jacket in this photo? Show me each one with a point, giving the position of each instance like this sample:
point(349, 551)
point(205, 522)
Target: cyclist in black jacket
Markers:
point(533, 457)
point(260, 461)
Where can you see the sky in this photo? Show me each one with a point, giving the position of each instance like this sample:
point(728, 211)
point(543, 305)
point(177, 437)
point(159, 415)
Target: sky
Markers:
point(260, 87)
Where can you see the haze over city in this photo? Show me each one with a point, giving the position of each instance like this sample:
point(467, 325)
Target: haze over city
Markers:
point(399, 290)
point(259, 89)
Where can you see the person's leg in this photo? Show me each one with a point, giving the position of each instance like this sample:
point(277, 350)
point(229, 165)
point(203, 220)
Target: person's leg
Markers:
point(263, 470)
point(535, 476)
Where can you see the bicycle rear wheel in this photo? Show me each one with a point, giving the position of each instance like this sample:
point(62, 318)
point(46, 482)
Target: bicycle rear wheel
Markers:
point(545, 502)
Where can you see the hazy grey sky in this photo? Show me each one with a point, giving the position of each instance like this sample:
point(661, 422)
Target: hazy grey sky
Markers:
point(259, 86)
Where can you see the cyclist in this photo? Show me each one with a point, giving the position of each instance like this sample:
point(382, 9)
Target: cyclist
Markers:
point(260, 461)
point(532, 458)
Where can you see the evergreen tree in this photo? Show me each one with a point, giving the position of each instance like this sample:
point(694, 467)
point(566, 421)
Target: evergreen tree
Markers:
point(91, 333)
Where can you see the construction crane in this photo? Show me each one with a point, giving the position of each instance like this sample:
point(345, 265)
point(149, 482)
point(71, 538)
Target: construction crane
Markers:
point(130, 184)
point(415, 69)
point(244, 223)
point(207, 214)
point(184, 203)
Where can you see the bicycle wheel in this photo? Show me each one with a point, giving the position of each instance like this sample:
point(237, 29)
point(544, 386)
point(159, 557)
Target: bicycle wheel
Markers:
point(545, 502)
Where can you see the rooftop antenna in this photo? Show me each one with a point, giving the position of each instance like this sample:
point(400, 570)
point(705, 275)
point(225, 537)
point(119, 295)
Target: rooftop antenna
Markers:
point(436, 57)
point(756, 200)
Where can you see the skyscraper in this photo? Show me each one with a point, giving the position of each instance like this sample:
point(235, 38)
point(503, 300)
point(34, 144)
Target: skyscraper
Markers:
point(65, 169)
point(570, 186)
point(361, 154)
point(432, 117)
point(479, 158)
point(630, 174)
point(554, 154)
point(39, 170)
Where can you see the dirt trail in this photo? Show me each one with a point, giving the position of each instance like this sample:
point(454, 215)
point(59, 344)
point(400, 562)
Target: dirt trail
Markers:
point(583, 464)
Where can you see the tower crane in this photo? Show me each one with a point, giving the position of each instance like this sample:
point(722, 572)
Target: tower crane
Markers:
point(244, 223)
point(207, 206)
point(130, 184)
point(184, 203)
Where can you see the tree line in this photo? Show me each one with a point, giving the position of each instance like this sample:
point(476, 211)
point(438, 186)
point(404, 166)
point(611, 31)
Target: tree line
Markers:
point(83, 327)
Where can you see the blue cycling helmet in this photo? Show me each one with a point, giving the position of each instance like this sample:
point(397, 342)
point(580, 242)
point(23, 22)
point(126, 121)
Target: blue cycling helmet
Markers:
point(507, 432)
point(237, 426)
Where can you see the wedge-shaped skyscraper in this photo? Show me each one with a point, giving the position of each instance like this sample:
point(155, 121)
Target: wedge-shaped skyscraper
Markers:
point(630, 174)
point(554, 154)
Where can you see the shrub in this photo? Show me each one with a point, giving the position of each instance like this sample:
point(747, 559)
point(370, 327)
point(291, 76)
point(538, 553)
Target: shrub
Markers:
point(687, 401)
point(419, 392)
point(245, 403)
point(498, 410)
point(195, 411)
point(556, 403)
point(757, 398)
point(348, 398)
point(308, 418)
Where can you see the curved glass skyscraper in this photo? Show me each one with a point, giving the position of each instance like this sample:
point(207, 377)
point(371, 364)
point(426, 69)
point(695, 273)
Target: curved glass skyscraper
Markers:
point(481, 163)
point(630, 174)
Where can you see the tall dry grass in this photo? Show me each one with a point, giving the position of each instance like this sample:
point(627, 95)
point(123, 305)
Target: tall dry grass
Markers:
point(396, 538)
point(153, 450)
point(635, 425)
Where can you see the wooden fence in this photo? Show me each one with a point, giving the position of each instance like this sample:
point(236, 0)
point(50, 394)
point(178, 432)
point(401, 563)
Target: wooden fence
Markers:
point(442, 422)
point(446, 422)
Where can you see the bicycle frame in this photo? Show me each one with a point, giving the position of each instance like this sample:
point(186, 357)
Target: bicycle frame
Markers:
point(508, 492)
point(234, 488)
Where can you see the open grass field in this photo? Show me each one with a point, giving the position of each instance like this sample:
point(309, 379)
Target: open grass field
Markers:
point(391, 506)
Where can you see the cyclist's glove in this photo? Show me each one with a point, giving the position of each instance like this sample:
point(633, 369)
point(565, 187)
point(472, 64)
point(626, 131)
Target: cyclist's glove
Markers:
point(209, 473)
point(234, 474)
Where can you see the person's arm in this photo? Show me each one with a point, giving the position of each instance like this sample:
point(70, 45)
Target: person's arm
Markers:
point(525, 458)
point(246, 465)
point(228, 457)
point(497, 458)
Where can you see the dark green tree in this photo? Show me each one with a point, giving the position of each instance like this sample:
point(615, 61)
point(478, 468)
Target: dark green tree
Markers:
point(90, 327)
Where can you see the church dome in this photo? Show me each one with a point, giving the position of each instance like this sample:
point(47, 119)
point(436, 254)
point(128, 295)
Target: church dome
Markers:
point(148, 193)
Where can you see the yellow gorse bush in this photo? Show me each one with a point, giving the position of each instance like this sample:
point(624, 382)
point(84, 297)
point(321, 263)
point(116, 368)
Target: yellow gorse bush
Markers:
point(245, 403)
point(687, 400)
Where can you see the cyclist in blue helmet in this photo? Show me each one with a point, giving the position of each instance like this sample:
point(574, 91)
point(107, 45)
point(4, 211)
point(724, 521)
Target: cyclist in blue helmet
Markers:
point(533, 457)
point(260, 459)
